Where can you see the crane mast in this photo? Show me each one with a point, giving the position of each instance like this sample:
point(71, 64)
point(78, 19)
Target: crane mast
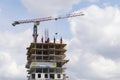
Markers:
point(38, 20)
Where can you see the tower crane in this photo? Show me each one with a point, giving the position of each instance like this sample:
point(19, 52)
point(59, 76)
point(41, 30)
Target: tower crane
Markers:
point(38, 20)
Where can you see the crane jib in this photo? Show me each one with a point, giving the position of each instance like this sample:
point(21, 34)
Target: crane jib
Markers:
point(38, 20)
point(47, 18)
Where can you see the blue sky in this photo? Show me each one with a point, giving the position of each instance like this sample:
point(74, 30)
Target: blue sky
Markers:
point(93, 40)
point(16, 10)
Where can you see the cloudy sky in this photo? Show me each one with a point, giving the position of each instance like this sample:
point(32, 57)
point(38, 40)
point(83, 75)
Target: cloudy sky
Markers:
point(93, 39)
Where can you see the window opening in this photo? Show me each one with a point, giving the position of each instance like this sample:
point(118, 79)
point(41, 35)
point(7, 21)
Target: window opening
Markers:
point(33, 76)
point(46, 75)
point(39, 75)
point(52, 76)
point(58, 76)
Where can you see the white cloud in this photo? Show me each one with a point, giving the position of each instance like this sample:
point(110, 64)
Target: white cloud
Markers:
point(105, 68)
point(47, 8)
point(9, 68)
point(13, 54)
point(94, 48)
point(99, 27)
point(14, 40)
point(90, 66)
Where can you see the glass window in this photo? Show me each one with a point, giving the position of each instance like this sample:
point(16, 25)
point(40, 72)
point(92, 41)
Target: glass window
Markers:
point(52, 76)
point(45, 70)
point(39, 75)
point(58, 76)
point(39, 70)
point(46, 75)
point(33, 76)
point(59, 64)
point(51, 70)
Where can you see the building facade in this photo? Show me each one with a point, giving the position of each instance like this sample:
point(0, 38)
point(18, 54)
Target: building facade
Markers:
point(46, 60)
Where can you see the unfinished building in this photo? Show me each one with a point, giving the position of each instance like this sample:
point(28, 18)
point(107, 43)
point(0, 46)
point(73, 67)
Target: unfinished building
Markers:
point(46, 60)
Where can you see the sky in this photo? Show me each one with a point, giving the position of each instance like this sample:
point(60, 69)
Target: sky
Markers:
point(93, 40)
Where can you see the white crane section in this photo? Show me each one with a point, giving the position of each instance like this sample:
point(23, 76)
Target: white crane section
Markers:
point(38, 20)
point(47, 19)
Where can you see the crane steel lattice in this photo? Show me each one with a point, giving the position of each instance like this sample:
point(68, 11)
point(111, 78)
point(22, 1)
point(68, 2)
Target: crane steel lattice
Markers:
point(37, 21)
